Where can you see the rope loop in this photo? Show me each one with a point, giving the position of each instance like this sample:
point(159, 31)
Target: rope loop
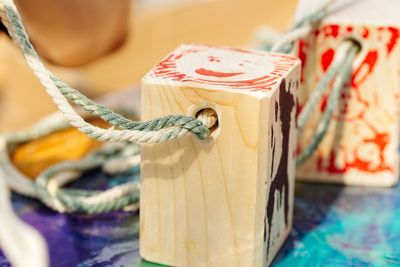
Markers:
point(157, 130)
point(115, 157)
point(50, 182)
point(338, 72)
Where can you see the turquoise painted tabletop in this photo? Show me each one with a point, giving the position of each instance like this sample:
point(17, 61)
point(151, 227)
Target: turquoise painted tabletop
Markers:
point(333, 226)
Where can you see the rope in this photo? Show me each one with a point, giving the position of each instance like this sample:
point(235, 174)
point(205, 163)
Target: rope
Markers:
point(338, 71)
point(114, 157)
point(49, 182)
point(47, 185)
point(158, 130)
point(19, 240)
point(342, 65)
point(334, 70)
point(302, 28)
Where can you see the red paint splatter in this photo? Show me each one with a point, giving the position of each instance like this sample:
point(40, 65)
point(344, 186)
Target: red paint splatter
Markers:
point(379, 139)
point(299, 108)
point(206, 72)
point(323, 103)
point(365, 33)
point(326, 58)
point(331, 30)
point(302, 56)
point(395, 34)
point(369, 62)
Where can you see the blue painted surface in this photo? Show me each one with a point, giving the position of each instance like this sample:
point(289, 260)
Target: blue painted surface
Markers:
point(343, 226)
point(333, 226)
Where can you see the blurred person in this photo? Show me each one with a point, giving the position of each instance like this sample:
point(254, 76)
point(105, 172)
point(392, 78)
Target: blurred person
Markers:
point(72, 33)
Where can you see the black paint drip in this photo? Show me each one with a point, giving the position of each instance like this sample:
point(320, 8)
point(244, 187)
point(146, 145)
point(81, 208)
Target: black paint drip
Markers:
point(281, 180)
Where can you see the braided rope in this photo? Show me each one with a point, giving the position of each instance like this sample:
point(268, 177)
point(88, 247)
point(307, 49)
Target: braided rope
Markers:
point(121, 164)
point(338, 71)
point(335, 69)
point(15, 180)
point(285, 44)
point(168, 127)
point(23, 238)
point(344, 59)
point(158, 130)
point(114, 157)
point(302, 28)
point(48, 185)
point(118, 120)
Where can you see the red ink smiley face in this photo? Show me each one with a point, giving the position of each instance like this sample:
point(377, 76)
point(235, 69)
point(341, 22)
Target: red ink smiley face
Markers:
point(233, 68)
point(221, 74)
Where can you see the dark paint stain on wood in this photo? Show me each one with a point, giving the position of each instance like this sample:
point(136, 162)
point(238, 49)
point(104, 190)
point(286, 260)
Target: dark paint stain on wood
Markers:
point(280, 182)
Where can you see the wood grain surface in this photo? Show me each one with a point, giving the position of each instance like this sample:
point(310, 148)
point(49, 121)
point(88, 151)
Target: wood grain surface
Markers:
point(228, 200)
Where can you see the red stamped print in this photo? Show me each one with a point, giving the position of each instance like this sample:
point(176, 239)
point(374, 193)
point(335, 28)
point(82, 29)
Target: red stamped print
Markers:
point(367, 140)
point(226, 67)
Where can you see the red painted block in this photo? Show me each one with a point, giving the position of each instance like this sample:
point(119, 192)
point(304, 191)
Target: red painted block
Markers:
point(361, 146)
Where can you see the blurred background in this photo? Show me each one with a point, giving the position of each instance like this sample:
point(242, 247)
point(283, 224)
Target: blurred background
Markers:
point(102, 46)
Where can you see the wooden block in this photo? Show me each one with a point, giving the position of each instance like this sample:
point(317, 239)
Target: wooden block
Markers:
point(361, 146)
point(226, 201)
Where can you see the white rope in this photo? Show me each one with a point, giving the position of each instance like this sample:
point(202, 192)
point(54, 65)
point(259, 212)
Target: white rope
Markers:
point(115, 166)
point(304, 30)
point(291, 37)
point(22, 41)
point(54, 185)
point(113, 193)
point(13, 178)
point(24, 244)
point(20, 242)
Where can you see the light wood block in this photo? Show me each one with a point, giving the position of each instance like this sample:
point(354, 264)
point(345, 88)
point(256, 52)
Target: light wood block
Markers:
point(228, 200)
point(361, 146)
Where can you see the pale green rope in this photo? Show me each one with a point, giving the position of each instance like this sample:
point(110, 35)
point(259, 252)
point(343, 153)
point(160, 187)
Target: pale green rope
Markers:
point(300, 29)
point(66, 200)
point(157, 130)
point(338, 71)
point(78, 201)
point(18, 240)
point(186, 122)
point(69, 199)
point(332, 103)
point(47, 185)
point(335, 70)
